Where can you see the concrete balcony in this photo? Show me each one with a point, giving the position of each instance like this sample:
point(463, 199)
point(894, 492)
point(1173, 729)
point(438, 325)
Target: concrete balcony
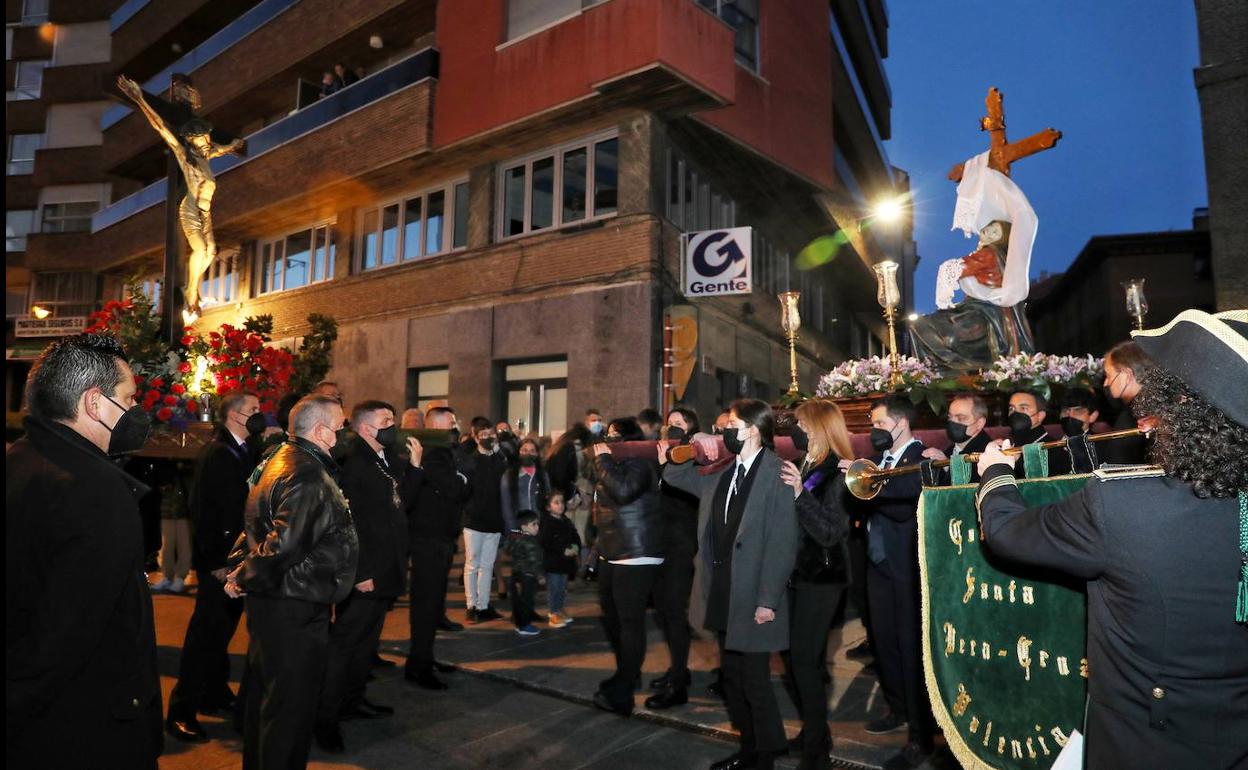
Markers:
point(292, 165)
point(78, 11)
point(248, 71)
point(76, 83)
point(26, 116)
point(67, 165)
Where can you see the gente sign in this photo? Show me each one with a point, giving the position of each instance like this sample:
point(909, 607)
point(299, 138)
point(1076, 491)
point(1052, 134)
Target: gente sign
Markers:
point(718, 262)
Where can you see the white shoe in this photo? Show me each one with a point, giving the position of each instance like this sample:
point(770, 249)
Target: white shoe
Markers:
point(177, 586)
point(161, 585)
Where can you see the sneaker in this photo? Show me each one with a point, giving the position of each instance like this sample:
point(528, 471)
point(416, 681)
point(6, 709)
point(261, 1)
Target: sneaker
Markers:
point(161, 585)
point(178, 586)
point(889, 723)
point(557, 620)
point(529, 630)
point(487, 614)
point(471, 615)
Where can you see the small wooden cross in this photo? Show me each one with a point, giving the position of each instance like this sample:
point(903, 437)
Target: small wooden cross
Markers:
point(1002, 152)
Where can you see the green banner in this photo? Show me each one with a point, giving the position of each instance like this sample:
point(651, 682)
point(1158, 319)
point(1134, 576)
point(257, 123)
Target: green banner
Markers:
point(1004, 645)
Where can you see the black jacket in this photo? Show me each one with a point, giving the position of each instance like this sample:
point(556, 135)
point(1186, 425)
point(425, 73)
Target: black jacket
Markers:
point(679, 511)
point(484, 511)
point(218, 497)
point(556, 534)
point(437, 496)
point(626, 508)
point(378, 497)
point(300, 541)
point(1168, 664)
point(823, 555)
point(80, 645)
point(893, 513)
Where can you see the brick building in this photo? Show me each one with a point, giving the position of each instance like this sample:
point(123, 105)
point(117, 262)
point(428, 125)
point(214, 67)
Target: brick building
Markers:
point(494, 212)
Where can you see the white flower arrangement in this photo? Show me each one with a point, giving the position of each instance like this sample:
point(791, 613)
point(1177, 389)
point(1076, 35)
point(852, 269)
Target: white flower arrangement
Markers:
point(1040, 369)
point(864, 376)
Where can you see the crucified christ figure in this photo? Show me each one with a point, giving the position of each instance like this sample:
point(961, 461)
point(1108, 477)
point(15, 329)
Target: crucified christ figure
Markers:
point(192, 146)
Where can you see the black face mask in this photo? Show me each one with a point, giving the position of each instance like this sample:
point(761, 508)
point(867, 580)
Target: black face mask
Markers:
point(504, 435)
point(1019, 423)
point(454, 433)
point(675, 434)
point(387, 436)
point(129, 433)
point(256, 424)
point(956, 432)
point(1073, 426)
point(528, 461)
point(732, 441)
point(486, 443)
point(801, 441)
point(881, 440)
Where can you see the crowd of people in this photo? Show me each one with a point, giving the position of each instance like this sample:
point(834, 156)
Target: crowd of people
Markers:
point(315, 527)
point(338, 78)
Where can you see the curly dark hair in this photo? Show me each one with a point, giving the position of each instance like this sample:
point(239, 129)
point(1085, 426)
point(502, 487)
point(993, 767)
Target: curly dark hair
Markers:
point(1196, 443)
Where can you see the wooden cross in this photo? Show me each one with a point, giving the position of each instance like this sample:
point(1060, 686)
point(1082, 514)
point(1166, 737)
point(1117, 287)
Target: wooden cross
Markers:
point(1002, 152)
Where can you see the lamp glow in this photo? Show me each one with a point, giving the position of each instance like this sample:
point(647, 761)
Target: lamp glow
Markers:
point(40, 312)
point(888, 210)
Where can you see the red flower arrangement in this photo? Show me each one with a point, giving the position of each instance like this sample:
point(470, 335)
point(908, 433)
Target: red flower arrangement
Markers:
point(239, 359)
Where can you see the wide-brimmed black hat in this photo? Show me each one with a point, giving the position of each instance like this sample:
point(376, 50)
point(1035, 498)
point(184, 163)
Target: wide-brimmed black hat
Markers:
point(1208, 352)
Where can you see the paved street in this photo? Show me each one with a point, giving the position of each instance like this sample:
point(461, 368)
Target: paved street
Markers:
point(524, 703)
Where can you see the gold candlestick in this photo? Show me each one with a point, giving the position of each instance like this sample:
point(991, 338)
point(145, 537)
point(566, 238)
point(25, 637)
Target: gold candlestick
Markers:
point(790, 322)
point(889, 296)
point(1137, 304)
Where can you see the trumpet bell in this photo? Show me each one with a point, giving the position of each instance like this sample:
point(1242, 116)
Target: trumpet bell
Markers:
point(682, 453)
point(862, 480)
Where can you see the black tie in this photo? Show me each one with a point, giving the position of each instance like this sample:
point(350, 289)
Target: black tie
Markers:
point(736, 487)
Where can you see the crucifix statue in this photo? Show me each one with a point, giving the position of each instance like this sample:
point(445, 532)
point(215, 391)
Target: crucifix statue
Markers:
point(991, 321)
point(190, 140)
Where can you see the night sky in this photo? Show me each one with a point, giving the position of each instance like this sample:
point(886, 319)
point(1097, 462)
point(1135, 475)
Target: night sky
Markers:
point(1114, 76)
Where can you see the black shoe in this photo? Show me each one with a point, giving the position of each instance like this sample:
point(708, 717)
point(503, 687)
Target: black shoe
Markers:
point(813, 757)
point(860, 651)
point(665, 681)
point(446, 624)
point(223, 705)
point(871, 668)
point(329, 737)
point(738, 761)
point(715, 689)
point(444, 668)
point(606, 704)
point(488, 614)
point(665, 699)
point(185, 730)
point(380, 662)
point(426, 679)
point(471, 615)
point(913, 755)
point(889, 723)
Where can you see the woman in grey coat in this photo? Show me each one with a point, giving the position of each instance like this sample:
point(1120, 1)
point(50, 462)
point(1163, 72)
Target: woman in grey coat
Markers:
point(747, 546)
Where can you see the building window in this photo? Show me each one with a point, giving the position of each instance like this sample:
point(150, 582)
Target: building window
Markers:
point(693, 203)
point(28, 82)
point(220, 281)
point(22, 148)
point(18, 223)
point(559, 186)
point(525, 17)
point(742, 16)
point(295, 260)
point(66, 294)
point(414, 226)
point(34, 12)
point(427, 386)
point(150, 288)
point(537, 397)
point(68, 217)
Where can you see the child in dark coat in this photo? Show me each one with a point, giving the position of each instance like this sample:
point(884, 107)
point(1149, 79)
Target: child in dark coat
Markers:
point(561, 546)
point(526, 566)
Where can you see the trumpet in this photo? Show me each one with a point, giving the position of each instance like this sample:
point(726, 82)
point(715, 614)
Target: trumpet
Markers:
point(865, 479)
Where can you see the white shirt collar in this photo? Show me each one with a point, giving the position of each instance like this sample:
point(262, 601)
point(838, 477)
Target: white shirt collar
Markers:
point(748, 463)
point(888, 454)
point(239, 441)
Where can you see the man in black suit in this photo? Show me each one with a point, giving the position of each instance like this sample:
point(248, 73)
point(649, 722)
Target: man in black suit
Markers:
point(893, 584)
point(81, 686)
point(377, 484)
point(434, 523)
point(218, 496)
point(1027, 412)
point(968, 417)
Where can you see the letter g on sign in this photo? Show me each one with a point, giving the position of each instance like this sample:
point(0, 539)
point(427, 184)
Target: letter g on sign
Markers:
point(710, 259)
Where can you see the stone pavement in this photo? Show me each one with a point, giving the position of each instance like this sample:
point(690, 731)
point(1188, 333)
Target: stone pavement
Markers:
point(521, 702)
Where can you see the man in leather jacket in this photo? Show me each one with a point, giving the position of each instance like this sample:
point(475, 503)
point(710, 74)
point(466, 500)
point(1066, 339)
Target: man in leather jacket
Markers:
point(301, 551)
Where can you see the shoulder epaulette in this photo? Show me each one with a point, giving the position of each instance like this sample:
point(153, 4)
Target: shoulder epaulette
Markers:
point(1111, 472)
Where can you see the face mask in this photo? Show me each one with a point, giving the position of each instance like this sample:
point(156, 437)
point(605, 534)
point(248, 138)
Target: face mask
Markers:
point(881, 440)
point(595, 428)
point(1019, 423)
point(956, 432)
point(504, 435)
point(528, 461)
point(338, 435)
point(1072, 426)
point(387, 436)
point(129, 433)
point(675, 434)
point(454, 435)
point(732, 440)
point(486, 443)
point(801, 441)
point(256, 423)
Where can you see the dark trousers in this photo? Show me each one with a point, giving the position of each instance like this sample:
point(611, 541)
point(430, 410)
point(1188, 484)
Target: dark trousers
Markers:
point(523, 590)
point(671, 604)
point(287, 656)
point(751, 701)
point(894, 596)
point(858, 578)
point(431, 566)
point(204, 672)
point(813, 607)
point(623, 590)
point(353, 639)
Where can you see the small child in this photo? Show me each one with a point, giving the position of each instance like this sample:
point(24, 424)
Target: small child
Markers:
point(562, 546)
point(526, 565)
